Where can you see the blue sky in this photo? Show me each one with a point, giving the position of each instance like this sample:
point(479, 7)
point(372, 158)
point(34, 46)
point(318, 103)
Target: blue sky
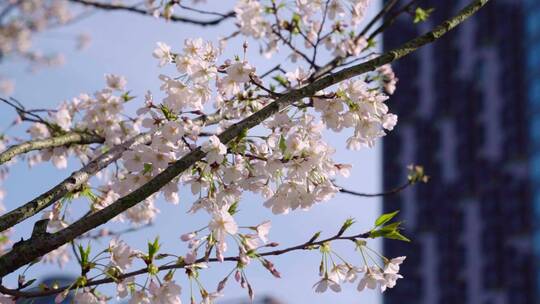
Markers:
point(122, 44)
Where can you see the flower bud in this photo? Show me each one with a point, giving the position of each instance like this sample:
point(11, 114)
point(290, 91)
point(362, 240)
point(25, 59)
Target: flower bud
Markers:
point(188, 236)
point(222, 284)
point(191, 257)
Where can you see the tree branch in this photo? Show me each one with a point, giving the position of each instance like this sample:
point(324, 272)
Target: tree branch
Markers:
point(387, 7)
point(304, 246)
point(31, 249)
point(385, 193)
point(69, 138)
point(337, 61)
point(80, 177)
point(73, 182)
point(388, 22)
point(133, 9)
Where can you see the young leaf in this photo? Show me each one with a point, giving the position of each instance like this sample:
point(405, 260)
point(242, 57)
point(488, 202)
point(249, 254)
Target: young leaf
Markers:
point(383, 219)
point(147, 168)
point(153, 248)
point(233, 209)
point(395, 235)
point(421, 15)
point(346, 225)
point(282, 144)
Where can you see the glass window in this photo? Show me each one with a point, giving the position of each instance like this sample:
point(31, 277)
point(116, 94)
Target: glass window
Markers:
point(535, 128)
point(533, 57)
point(533, 23)
point(535, 173)
point(534, 93)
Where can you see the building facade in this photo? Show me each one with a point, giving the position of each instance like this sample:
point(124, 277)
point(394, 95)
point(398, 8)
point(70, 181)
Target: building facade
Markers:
point(469, 112)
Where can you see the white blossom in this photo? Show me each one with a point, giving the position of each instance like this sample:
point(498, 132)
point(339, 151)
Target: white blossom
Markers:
point(165, 293)
point(121, 254)
point(214, 150)
point(87, 297)
point(116, 82)
point(162, 53)
point(240, 71)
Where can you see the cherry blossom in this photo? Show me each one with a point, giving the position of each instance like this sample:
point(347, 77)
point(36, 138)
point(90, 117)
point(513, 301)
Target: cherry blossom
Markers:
point(323, 285)
point(121, 254)
point(222, 224)
point(215, 150)
point(116, 82)
point(240, 71)
point(163, 53)
point(88, 297)
point(165, 293)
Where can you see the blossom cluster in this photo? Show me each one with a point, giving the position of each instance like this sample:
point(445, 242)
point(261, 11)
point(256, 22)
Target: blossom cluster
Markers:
point(290, 165)
point(285, 160)
point(100, 115)
point(277, 24)
point(359, 107)
point(21, 20)
point(372, 276)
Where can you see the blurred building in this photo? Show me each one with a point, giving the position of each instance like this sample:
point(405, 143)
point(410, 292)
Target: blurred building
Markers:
point(258, 300)
point(469, 112)
point(59, 280)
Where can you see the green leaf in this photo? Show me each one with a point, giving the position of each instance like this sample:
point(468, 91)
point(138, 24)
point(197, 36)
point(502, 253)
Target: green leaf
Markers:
point(153, 248)
point(371, 43)
point(421, 15)
point(252, 254)
point(147, 168)
point(346, 225)
point(243, 134)
point(296, 18)
point(383, 219)
point(391, 227)
point(87, 192)
point(233, 209)
point(390, 231)
point(282, 144)
point(396, 235)
point(85, 254)
point(126, 97)
point(169, 115)
point(281, 80)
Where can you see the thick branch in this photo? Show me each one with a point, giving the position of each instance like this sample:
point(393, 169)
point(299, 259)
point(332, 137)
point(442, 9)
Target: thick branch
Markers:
point(29, 250)
point(133, 9)
point(73, 182)
point(78, 178)
point(48, 143)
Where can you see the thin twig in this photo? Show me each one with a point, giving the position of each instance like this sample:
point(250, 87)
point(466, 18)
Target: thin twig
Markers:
point(385, 193)
point(304, 246)
point(133, 9)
